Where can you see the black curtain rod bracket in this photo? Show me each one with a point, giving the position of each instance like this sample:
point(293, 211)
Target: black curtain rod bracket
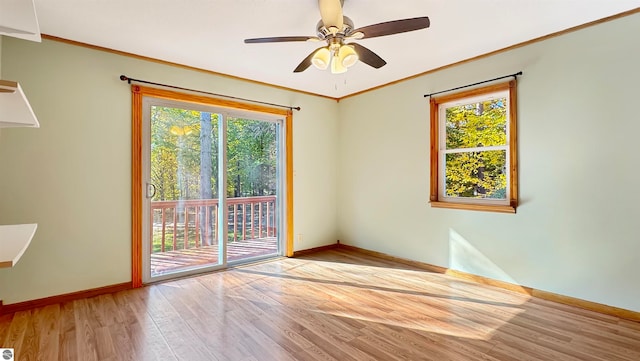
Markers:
point(130, 80)
point(515, 76)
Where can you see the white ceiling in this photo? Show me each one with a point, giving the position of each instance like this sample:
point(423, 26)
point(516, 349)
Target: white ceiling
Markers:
point(209, 34)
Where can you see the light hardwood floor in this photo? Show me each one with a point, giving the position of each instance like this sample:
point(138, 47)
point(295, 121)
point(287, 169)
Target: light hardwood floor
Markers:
point(333, 305)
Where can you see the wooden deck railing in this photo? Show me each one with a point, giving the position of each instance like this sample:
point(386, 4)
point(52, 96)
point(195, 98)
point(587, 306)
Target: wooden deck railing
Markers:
point(194, 223)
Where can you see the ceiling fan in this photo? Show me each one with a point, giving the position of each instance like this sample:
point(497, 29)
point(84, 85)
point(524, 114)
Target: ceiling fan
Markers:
point(338, 32)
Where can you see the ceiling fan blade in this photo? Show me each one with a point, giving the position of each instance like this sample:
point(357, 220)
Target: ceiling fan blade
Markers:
point(368, 57)
point(392, 27)
point(279, 39)
point(331, 13)
point(306, 63)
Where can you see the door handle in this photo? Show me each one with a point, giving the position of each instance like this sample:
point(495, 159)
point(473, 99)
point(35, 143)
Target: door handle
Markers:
point(151, 190)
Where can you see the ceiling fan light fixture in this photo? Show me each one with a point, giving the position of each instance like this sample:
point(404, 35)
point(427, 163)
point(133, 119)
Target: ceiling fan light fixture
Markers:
point(347, 56)
point(336, 65)
point(321, 58)
point(336, 30)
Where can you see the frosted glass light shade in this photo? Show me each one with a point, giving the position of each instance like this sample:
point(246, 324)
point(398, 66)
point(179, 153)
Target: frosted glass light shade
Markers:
point(321, 58)
point(336, 66)
point(348, 56)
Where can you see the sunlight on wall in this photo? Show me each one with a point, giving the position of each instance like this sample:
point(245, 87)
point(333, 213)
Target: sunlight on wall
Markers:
point(465, 257)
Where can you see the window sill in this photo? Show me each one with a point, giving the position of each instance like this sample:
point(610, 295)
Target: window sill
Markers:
point(474, 207)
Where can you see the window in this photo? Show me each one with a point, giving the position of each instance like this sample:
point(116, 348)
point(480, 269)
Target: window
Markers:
point(473, 149)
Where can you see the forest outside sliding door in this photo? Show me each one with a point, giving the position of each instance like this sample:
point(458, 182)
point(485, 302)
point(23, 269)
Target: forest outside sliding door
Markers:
point(252, 188)
point(212, 187)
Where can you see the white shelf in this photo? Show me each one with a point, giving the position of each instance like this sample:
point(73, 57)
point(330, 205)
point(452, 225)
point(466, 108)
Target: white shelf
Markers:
point(15, 110)
point(18, 19)
point(14, 240)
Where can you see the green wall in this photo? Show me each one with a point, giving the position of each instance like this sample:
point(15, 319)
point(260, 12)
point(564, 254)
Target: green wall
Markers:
point(361, 168)
point(72, 175)
point(576, 230)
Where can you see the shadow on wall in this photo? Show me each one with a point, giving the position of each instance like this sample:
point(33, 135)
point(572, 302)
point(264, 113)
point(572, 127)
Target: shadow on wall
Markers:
point(463, 256)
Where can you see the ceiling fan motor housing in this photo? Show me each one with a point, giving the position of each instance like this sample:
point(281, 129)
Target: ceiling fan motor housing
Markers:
point(324, 33)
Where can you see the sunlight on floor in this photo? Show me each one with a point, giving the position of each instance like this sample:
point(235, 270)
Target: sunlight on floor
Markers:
point(403, 298)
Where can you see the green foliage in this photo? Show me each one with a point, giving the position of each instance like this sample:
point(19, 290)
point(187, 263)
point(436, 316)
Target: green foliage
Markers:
point(174, 153)
point(176, 156)
point(476, 173)
point(251, 154)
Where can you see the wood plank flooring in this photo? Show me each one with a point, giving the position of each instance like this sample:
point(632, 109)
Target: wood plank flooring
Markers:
point(172, 261)
point(333, 305)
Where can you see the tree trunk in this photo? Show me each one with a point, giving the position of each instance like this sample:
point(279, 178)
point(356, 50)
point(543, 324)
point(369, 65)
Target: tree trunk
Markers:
point(206, 171)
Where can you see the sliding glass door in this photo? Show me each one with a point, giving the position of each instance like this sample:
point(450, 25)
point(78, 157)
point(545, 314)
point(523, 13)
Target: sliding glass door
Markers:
point(252, 188)
point(212, 178)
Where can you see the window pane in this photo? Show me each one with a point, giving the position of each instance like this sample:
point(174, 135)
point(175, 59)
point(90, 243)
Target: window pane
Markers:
point(479, 124)
point(183, 170)
point(252, 188)
point(476, 174)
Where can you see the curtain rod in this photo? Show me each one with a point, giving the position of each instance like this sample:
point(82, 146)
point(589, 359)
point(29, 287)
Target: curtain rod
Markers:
point(129, 80)
point(515, 76)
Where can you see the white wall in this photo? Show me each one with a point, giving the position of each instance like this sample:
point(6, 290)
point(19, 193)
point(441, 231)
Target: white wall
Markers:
point(72, 176)
point(577, 229)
